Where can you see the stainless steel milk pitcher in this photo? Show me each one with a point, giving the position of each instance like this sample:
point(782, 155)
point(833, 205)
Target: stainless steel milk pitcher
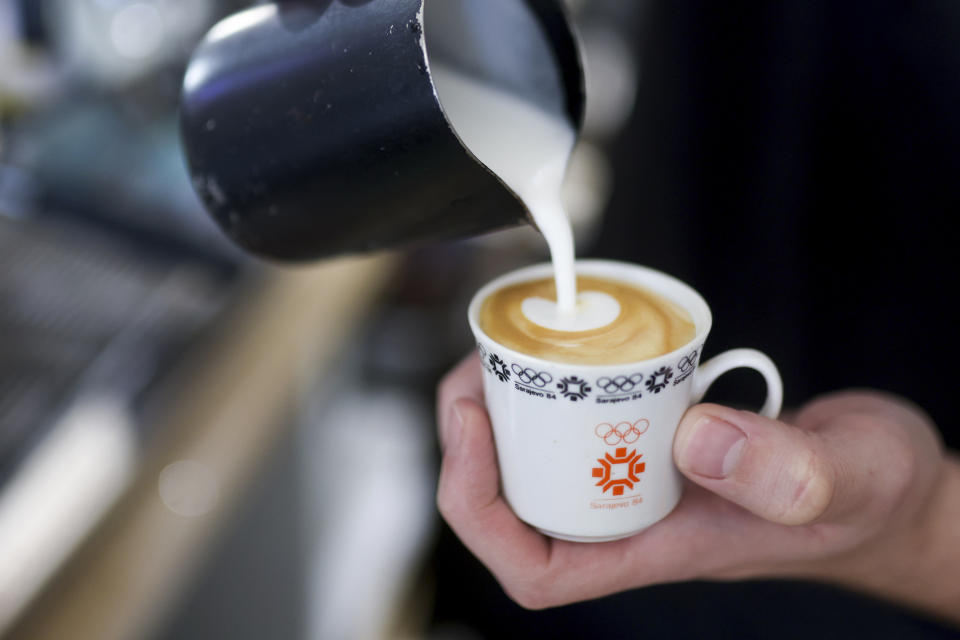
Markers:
point(313, 128)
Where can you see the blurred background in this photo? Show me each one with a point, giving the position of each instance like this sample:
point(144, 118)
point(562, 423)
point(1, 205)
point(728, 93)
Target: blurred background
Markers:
point(196, 444)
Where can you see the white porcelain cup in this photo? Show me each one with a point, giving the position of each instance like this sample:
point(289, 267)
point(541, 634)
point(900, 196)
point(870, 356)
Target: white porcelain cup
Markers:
point(585, 451)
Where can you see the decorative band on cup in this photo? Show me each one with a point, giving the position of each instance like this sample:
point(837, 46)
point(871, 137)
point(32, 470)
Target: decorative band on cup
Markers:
point(577, 387)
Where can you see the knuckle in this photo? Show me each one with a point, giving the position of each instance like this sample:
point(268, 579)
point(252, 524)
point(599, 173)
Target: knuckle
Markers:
point(812, 487)
point(898, 473)
point(897, 457)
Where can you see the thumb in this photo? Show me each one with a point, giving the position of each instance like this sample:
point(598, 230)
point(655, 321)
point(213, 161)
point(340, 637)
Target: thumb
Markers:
point(779, 472)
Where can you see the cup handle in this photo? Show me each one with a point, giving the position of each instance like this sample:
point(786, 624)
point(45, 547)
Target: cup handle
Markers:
point(709, 371)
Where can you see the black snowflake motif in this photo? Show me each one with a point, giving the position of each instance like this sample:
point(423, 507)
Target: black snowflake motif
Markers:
point(659, 379)
point(499, 367)
point(574, 388)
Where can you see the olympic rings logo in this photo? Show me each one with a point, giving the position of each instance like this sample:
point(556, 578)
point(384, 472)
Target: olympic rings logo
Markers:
point(529, 376)
point(688, 362)
point(622, 432)
point(620, 384)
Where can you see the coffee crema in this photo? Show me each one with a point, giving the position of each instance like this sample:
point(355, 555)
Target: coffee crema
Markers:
point(648, 325)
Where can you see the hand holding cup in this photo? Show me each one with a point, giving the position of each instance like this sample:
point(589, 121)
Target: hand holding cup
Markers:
point(851, 489)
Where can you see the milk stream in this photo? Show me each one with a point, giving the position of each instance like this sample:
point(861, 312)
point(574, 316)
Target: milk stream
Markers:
point(528, 149)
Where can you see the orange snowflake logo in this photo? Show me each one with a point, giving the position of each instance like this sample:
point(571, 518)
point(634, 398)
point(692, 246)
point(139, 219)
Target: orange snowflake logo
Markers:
point(619, 470)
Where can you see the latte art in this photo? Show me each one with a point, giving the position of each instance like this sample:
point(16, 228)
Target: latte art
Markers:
point(648, 325)
point(591, 310)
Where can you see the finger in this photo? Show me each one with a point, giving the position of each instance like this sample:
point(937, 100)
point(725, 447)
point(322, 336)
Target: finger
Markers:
point(468, 496)
point(464, 381)
point(789, 475)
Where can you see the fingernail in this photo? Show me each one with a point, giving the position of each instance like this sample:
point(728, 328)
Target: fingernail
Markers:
point(454, 427)
point(714, 448)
